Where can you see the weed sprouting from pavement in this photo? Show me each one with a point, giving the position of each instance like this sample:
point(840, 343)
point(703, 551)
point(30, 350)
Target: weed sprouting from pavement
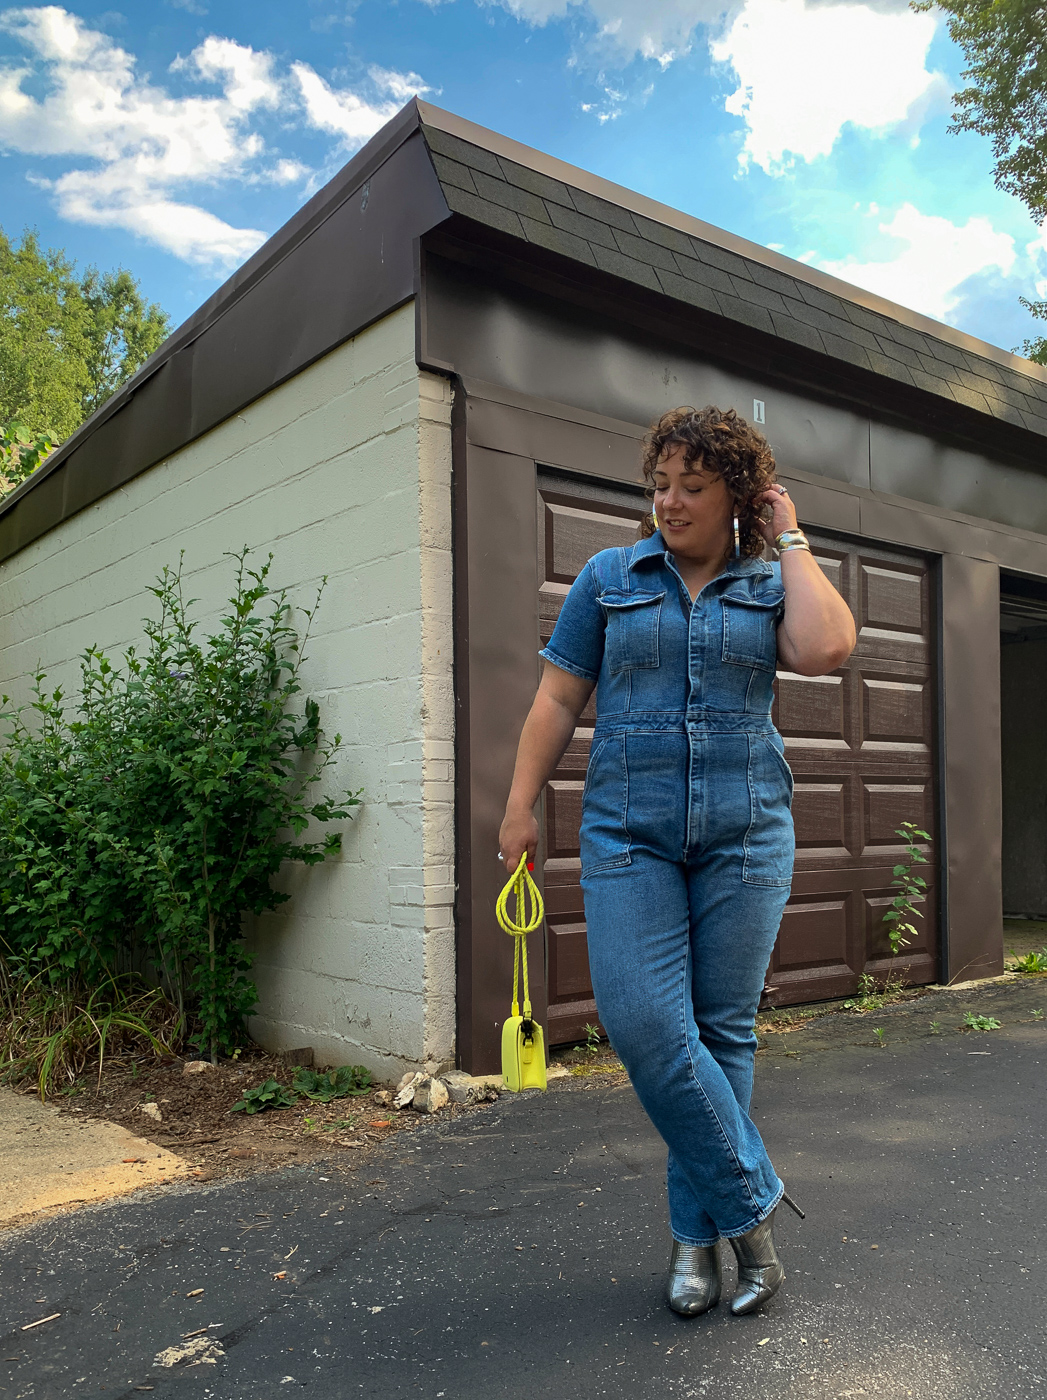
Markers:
point(1031, 964)
point(869, 999)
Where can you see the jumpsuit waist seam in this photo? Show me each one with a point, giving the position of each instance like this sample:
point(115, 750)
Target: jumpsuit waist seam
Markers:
point(684, 722)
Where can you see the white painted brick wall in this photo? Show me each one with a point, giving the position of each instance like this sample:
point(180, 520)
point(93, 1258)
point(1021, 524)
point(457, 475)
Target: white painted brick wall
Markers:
point(344, 471)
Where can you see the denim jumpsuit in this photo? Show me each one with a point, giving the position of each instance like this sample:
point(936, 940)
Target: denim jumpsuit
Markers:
point(687, 854)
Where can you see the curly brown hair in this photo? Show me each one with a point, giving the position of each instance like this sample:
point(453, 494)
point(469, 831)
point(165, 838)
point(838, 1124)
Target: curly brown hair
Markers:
point(724, 443)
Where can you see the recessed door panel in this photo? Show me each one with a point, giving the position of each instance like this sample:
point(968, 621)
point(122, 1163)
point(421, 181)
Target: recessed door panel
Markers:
point(892, 599)
point(573, 534)
point(886, 805)
point(820, 816)
point(563, 817)
point(812, 710)
point(894, 711)
point(814, 933)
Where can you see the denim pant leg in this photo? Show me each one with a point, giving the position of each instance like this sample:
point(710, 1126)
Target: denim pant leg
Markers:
point(733, 928)
point(640, 952)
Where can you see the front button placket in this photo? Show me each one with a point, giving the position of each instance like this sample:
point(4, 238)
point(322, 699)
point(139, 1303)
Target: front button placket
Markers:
point(697, 627)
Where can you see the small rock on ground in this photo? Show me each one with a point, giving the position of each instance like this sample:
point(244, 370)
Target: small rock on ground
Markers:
point(430, 1096)
point(405, 1089)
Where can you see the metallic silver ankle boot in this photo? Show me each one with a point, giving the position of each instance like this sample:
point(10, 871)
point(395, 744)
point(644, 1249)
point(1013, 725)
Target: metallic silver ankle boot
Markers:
point(695, 1278)
point(760, 1272)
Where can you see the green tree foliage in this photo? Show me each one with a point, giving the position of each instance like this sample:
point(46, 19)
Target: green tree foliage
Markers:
point(1005, 45)
point(1036, 349)
point(67, 340)
point(21, 452)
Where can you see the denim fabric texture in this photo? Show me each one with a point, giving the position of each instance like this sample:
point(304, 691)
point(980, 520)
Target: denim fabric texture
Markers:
point(687, 854)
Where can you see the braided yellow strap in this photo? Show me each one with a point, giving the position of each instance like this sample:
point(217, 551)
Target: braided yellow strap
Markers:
point(530, 911)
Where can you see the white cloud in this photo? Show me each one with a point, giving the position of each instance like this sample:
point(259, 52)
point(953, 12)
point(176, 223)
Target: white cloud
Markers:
point(142, 143)
point(136, 150)
point(344, 113)
point(401, 86)
point(1036, 252)
point(937, 258)
point(248, 75)
point(806, 70)
point(609, 108)
point(287, 172)
point(658, 29)
point(533, 11)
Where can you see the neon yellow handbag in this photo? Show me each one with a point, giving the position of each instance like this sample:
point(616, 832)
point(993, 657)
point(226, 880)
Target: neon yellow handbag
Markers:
point(523, 1044)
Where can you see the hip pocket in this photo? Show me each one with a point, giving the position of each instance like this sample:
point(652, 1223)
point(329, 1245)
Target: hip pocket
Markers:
point(594, 758)
point(604, 837)
point(774, 744)
point(769, 846)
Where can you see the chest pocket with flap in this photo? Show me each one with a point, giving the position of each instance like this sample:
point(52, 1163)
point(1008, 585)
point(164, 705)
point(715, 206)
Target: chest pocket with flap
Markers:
point(631, 642)
point(750, 628)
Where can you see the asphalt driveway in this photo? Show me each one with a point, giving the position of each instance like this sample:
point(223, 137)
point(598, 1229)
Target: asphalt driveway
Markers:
point(520, 1251)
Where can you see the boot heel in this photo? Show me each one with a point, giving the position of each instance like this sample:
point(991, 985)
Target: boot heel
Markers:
point(792, 1205)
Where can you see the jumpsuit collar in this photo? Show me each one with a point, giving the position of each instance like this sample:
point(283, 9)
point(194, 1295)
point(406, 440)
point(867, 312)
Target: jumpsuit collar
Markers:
point(655, 548)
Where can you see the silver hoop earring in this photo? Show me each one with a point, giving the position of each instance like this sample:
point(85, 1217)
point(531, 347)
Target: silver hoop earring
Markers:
point(737, 540)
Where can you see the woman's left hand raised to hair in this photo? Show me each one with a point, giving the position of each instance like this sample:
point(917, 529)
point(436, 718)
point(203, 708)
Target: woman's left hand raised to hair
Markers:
point(817, 633)
point(783, 512)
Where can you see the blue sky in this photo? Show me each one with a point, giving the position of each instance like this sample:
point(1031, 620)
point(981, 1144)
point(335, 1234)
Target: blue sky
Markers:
point(172, 136)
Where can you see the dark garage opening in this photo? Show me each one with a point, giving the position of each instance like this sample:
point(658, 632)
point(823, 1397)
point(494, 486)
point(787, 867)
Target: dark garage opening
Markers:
point(1023, 700)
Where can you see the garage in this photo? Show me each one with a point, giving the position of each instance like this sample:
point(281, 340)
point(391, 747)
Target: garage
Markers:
point(433, 384)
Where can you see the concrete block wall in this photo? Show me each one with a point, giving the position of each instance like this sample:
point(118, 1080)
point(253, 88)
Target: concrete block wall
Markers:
point(343, 471)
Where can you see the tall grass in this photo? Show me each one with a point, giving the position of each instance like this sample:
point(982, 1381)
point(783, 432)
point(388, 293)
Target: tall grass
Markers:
point(54, 1030)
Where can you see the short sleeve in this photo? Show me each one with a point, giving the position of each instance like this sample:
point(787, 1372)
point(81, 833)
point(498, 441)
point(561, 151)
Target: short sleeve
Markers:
point(774, 585)
point(576, 645)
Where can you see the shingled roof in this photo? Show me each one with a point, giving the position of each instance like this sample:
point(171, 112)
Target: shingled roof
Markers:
point(617, 232)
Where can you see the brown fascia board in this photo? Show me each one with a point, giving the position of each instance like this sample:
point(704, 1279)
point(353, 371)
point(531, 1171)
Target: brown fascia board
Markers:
point(272, 318)
point(651, 209)
point(548, 276)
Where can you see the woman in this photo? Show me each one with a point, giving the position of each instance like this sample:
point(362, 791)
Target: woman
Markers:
point(686, 838)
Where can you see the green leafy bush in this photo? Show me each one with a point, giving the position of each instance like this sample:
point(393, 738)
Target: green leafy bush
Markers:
point(271, 1094)
point(347, 1080)
point(136, 831)
point(972, 1022)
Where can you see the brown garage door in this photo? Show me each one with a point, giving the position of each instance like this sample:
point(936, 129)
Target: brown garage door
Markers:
point(861, 746)
point(860, 743)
